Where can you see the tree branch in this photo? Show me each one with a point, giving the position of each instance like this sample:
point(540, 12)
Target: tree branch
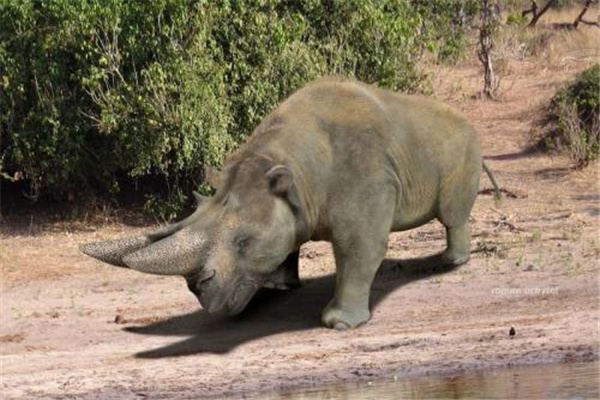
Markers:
point(593, 23)
point(532, 10)
point(537, 16)
point(580, 19)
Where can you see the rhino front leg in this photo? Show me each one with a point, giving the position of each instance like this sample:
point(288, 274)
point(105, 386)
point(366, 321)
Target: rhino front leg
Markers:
point(286, 276)
point(356, 268)
point(359, 252)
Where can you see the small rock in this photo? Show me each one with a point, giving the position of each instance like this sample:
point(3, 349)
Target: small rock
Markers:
point(512, 332)
point(341, 326)
point(119, 319)
point(530, 267)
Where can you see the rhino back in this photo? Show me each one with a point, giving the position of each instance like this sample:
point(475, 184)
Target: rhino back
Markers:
point(437, 150)
point(345, 140)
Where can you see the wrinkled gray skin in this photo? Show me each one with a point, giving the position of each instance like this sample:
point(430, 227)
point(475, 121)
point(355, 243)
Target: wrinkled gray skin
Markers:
point(337, 161)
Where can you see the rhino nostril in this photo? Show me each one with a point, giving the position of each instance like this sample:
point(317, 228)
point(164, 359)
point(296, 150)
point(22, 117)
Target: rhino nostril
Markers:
point(206, 275)
point(200, 276)
point(195, 281)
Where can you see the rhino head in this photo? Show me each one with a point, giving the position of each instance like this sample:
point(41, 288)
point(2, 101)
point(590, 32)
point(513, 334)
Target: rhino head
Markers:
point(231, 245)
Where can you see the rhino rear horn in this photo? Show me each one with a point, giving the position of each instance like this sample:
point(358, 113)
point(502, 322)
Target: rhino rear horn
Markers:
point(200, 199)
point(213, 176)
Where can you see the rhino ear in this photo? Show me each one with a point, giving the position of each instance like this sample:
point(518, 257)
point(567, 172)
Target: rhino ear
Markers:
point(280, 179)
point(212, 176)
point(281, 183)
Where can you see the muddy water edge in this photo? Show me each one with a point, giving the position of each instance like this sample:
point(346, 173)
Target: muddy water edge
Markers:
point(558, 381)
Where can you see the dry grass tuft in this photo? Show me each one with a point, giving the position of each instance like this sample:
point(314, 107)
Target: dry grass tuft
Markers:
point(553, 42)
point(579, 144)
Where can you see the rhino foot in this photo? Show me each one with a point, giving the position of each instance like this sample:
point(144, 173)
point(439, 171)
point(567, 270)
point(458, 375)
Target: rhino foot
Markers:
point(285, 276)
point(336, 318)
point(280, 286)
point(454, 258)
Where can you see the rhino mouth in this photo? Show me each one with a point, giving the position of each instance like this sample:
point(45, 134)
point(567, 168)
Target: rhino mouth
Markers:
point(230, 302)
point(241, 296)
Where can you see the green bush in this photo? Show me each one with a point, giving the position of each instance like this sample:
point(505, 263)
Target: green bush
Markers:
point(575, 110)
point(516, 18)
point(447, 22)
point(101, 96)
point(98, 94)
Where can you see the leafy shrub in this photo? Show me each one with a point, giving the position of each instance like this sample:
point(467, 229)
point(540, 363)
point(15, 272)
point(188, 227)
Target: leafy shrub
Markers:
point(516, 18)
point(97, 97)
point(447, 21)
point(575, 110)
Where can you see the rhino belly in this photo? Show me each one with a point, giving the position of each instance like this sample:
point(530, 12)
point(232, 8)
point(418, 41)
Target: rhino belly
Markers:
point(416, 210)
point(406, 221)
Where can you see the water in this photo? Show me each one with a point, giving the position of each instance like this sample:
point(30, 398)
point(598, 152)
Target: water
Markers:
point(573, 381)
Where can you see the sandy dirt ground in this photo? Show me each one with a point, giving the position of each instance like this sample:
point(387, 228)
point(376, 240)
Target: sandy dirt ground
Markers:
point(72, 327)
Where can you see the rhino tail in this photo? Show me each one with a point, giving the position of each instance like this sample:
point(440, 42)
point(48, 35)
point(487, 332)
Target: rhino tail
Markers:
point(490, 175)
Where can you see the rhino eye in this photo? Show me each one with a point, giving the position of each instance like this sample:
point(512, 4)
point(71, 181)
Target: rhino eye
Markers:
point(242, 242)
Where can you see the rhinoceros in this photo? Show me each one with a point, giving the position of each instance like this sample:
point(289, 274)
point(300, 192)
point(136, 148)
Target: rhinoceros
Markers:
point(339, 161)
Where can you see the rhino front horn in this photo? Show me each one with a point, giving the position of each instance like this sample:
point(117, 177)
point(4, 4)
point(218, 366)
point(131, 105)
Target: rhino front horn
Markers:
point(179, 254)
point(113, 251)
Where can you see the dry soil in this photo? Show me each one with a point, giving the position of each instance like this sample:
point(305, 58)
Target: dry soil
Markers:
point(72, 327)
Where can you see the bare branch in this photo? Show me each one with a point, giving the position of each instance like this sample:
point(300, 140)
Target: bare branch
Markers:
point(537, 16)
point(593, 23)
point(580, 19)
point(532, 10)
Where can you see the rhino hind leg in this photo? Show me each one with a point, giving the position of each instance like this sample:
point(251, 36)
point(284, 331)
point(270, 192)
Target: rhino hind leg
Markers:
point(286, 276)
point(457, 197)
point(459, 244)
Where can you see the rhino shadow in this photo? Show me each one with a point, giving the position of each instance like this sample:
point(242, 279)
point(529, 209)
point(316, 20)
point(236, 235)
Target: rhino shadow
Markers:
point(272, 312)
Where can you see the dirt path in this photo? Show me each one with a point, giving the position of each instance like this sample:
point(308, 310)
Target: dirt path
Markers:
point(71, 327)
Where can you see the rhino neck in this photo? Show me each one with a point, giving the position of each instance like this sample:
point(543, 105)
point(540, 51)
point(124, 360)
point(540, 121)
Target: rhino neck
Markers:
point(292, 136)
point(261, 161)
